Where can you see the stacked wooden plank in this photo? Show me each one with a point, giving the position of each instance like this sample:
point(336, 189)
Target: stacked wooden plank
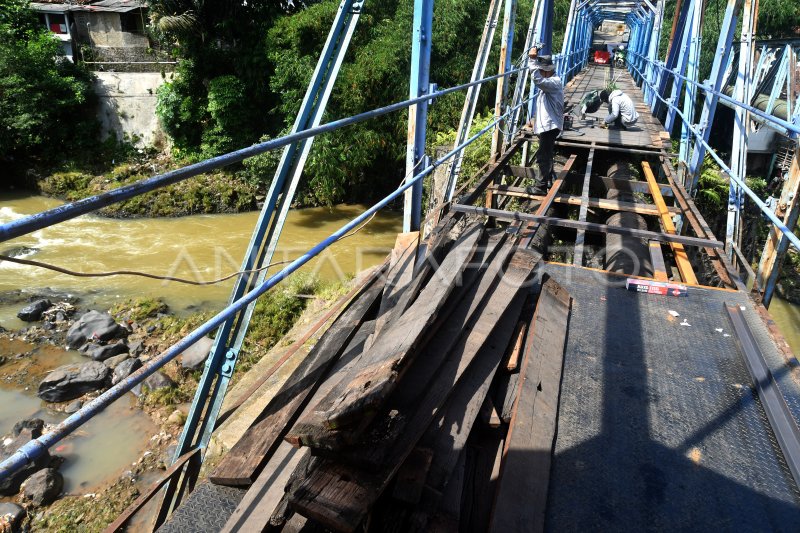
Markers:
point(405, 416)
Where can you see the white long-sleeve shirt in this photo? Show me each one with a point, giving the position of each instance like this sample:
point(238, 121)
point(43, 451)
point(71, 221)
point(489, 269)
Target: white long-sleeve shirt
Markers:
point(549, 108)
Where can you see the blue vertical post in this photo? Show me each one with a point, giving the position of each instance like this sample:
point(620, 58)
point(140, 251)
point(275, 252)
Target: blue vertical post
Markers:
point(690, 95)
point(673, 53)
point(715, 82)
point(652, 53)
point(506, 50)
point(682, 44)
point(546, 28)
point(224, 353)
point(418, 113)
point(742, 90)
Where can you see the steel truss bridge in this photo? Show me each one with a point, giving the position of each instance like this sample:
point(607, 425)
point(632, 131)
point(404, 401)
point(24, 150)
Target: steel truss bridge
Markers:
point(757, 80)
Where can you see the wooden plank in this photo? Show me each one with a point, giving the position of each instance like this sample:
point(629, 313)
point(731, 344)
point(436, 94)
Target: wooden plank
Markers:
point(259, 505)
point(367, 389)
point(577, 259)
point(507, 395)
point(340, 495)
point(349, 407)
point(617, 149)
point(597, 203)
point(241, 465)
point(657, 259)
point(515, 347)
point(547, 202)
point(481, 477)
point(678, 251)
point(588, 226)
point(529, 443)
point(609, 183)
point(399, 276)
point(719, 260)
point(410, 479)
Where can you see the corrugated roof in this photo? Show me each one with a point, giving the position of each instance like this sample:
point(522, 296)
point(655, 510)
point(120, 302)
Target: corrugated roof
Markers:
point(117, 6)
point(104, 6)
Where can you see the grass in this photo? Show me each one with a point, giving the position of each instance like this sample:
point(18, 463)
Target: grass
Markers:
point(219, 192)
point(138, 309)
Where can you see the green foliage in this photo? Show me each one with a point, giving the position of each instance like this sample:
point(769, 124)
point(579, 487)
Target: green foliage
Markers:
point(712, 188)
point(229, 115)
point(69, 185)
point(46, 102)
point(278, 309)
point(139, 309)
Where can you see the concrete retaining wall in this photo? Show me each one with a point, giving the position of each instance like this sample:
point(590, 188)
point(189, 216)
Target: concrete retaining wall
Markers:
point(127, 106)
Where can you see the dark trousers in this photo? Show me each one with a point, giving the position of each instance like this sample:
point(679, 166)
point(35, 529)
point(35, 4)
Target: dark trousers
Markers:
point(544, 157)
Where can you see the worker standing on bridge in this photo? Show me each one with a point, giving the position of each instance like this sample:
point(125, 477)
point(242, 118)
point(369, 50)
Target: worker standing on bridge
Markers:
point(548, 119)
point(621, 111)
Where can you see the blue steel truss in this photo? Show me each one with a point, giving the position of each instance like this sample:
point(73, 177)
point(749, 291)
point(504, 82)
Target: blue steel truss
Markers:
point(675, 76)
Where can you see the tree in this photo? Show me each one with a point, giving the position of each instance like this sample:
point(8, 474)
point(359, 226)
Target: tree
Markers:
point(46, 102)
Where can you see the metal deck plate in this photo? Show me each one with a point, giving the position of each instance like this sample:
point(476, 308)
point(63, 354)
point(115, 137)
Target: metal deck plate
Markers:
point(658, 427)
point(205, 510)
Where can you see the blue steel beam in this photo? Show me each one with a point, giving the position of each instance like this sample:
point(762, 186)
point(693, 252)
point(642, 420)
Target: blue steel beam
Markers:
point(684, 46)
point(418, 114)
point(471, 98)
point(740, 181)
point(673, 53)
point(223, 357)
point(785, 128)
point(690, 93)
point(506, 51)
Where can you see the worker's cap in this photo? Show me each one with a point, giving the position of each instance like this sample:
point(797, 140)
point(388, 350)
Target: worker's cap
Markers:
point(545, 63)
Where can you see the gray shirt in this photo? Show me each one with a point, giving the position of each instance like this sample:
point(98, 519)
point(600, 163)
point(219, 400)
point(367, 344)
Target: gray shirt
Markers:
point(621, 105)
point(549, 108)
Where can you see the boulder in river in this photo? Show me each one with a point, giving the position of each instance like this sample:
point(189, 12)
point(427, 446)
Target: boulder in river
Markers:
point(101, 353)
point(125, 369)
point(10, 485)
point(11, 516)
point(35, 425)
point(196, 354)
point(43, 487)
point(72, 381)
point(33, 311)
point(93, 325)
point(154, 382)
point(112, 362)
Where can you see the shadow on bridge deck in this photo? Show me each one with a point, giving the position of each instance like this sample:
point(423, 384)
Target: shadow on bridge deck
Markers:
point(658, 426)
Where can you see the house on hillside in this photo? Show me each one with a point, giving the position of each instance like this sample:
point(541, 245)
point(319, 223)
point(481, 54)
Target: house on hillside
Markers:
point(109, 31)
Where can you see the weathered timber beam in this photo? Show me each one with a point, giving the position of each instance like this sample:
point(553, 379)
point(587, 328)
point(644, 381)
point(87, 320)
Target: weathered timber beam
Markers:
point(597, 203)
point(587, 226)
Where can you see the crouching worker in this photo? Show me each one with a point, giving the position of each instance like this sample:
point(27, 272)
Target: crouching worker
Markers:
point(621, 111)
point(548, 120)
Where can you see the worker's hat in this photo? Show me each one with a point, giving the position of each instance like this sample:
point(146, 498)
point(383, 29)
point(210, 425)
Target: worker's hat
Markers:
point(545, 63)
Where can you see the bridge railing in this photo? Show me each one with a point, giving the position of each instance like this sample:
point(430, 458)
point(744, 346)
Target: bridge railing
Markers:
point(37, 447)
point(699, 138)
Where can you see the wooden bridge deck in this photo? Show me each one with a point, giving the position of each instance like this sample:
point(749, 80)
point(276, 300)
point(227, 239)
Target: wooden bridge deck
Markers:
point(647, 133)
point(553, 398)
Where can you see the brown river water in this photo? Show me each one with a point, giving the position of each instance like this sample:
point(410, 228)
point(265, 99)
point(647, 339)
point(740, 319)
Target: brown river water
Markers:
point(200, 248)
